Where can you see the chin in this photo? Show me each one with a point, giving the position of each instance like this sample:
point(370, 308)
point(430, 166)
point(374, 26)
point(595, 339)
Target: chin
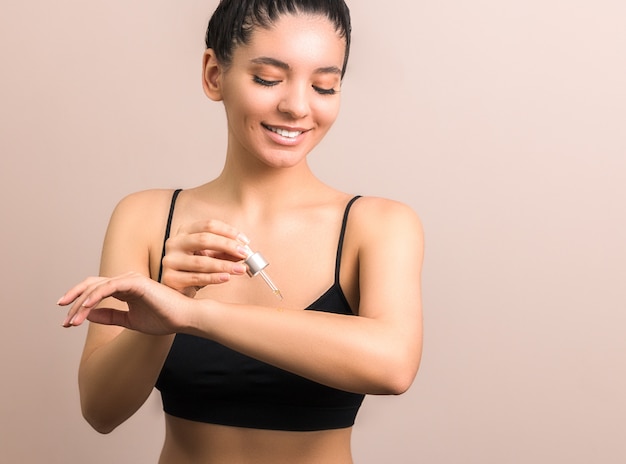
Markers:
point(283, 159)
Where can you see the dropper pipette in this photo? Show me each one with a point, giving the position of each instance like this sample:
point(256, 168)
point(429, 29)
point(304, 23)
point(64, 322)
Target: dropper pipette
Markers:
point(256, 264)
point(270, 284)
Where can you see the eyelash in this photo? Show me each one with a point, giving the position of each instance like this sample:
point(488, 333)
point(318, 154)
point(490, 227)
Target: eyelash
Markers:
point(325, 91)
point(266, 83)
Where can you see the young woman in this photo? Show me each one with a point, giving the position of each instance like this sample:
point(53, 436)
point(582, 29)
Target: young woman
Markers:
point(246, 377)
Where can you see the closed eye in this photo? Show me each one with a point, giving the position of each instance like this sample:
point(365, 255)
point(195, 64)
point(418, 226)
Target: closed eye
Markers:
point(323, 91)
point(265, 82)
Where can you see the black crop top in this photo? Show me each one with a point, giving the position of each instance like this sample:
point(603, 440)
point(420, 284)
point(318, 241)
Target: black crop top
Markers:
point(205, 381)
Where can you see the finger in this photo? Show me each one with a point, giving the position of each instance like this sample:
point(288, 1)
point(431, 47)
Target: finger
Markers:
point(120, 287)
point(201, 280)
point(109, 316)
point(219, 255)
point(214, 226)
point(206, 243)
point(77, 296)
point(183, 280)
point(75, 292)
point(206, 235)
point(201, 264)
point(73, 315)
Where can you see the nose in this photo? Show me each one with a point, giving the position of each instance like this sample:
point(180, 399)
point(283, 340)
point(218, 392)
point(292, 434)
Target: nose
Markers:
point(294, 101)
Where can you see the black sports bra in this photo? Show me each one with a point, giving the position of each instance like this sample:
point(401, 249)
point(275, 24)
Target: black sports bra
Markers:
point(205, 381)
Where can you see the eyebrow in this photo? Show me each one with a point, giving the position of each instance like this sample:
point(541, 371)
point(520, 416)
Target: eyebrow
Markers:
point(282, 65)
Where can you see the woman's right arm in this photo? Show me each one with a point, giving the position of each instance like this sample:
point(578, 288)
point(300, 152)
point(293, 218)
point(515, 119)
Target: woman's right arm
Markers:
point(119, 367)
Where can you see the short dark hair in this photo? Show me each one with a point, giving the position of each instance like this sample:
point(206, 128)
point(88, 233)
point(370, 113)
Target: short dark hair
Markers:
point(233, 22)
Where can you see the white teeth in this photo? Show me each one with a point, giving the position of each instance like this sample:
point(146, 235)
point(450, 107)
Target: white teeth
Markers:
point(285, 133)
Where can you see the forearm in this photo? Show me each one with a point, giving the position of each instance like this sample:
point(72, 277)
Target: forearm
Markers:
point(351, 353)
point(117, 378)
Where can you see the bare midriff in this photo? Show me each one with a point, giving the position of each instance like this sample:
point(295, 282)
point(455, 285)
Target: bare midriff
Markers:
point(189, 442)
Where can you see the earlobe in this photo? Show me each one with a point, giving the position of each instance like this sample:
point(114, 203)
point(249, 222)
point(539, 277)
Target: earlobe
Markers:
point(211, 76)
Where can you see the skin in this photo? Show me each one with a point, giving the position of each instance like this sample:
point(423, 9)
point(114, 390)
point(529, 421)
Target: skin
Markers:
point(268, 189)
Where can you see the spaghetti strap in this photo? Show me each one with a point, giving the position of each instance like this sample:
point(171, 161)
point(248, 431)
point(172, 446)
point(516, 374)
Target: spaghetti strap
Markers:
point(168, 230)
point(341, 235)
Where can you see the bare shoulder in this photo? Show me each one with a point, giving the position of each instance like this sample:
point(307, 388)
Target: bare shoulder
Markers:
point(135, 232)
point(147, 208)
point(143, 203)
point(382, 219)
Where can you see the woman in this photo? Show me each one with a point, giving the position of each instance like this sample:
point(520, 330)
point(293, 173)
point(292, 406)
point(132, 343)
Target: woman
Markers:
point(244, 376)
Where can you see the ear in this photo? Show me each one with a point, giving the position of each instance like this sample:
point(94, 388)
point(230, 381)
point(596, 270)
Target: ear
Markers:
point(212, 75)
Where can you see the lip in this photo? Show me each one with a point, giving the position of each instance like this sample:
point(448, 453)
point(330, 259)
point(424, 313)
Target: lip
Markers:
point(282, 139)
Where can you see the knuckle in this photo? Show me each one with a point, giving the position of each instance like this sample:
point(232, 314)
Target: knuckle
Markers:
point(173, 243)
point(196, 280)
point(198, 263)
point(203, 240)
point(171, 280)
point(166, 262)
point(212, 224)
point(169, 245)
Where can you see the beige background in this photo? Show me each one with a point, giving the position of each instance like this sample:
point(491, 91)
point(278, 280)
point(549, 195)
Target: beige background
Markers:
point(502, 123)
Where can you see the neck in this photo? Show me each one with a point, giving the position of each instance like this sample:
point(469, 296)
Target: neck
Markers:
point(254, 186)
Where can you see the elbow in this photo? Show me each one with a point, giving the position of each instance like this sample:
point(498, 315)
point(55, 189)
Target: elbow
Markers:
point(101, 428)
point(101, 411)
point(396, 383)
point(398, 375)
point(99, 420)
point(99, 424)
point(400, 387)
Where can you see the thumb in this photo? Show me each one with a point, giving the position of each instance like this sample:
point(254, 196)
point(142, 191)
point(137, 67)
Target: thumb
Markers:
point(109, 316)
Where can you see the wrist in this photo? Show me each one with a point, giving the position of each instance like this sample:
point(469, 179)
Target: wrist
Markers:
point(199, 317)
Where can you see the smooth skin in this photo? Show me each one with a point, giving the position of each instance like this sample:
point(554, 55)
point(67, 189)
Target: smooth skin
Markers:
point(285, 79)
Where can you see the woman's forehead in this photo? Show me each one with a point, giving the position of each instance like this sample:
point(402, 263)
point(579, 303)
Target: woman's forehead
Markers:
point(296, 38)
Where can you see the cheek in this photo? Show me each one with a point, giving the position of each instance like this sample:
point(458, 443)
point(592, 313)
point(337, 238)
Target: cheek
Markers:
point(244, 109)
point(328, 111)
point(253, 104)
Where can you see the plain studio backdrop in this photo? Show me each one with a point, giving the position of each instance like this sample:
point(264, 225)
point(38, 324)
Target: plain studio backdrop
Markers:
point(503, 124)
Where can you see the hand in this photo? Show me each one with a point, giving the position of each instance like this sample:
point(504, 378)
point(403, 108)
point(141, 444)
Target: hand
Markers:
point(203, 253)
point(153, 308)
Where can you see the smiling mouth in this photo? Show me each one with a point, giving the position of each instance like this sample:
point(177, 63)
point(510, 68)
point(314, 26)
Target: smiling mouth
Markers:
point(283, 132)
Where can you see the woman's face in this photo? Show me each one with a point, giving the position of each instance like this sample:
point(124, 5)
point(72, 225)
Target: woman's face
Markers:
point(281, 91)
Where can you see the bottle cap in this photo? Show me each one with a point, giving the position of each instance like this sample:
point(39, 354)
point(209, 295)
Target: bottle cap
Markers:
point(256, 263)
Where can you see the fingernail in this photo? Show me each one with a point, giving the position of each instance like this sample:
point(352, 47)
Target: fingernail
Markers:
point(239, 269)
point(244, 251)
point(60, 299)
point(241, 237)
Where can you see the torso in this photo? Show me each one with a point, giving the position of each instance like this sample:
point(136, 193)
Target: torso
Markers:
point(307, 234)
point(300, 245)
point(188, 442)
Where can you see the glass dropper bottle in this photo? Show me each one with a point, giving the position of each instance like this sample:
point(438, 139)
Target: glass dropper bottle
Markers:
point(256, 264)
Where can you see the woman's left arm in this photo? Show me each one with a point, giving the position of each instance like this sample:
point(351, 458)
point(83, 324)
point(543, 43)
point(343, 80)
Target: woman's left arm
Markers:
point(376, 352)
